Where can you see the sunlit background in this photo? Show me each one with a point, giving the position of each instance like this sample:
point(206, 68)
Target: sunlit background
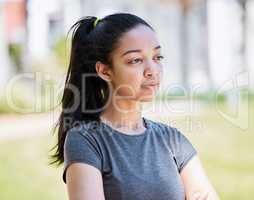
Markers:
point(207, 90)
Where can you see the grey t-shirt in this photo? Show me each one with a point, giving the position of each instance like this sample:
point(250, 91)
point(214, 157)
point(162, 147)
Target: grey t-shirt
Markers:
point(143, 166)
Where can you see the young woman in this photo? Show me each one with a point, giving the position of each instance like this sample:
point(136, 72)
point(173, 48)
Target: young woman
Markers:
point(111, 152)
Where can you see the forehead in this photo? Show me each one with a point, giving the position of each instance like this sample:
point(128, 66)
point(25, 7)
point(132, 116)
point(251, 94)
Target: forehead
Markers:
point(141, 37)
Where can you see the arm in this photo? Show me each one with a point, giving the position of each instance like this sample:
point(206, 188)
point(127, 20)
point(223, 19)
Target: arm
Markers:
point(196, 182)
point(84, 182)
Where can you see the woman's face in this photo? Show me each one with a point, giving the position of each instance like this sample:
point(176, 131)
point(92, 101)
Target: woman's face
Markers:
point(137, 68)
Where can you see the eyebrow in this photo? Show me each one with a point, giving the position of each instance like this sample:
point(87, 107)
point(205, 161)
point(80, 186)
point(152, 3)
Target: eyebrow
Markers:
point(138, 50)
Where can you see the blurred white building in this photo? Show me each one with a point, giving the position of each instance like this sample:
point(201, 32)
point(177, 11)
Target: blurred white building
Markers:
point(12, 31)
point(225, 41)
point(47, 20)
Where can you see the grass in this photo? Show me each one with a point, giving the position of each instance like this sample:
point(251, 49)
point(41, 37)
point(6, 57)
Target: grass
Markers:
point(225, 150)
point(24, 172)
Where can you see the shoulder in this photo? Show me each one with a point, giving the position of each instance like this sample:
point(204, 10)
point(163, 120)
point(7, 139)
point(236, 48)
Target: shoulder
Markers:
point(87, 130)
point(177, 140)
point(164, 128)
point(181, 146)
point(80, 139)
point(81, 145)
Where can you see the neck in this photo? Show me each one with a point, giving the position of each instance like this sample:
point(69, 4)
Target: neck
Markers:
point(123, 114)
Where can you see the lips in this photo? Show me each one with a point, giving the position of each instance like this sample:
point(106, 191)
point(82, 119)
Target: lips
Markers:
point(152, 84)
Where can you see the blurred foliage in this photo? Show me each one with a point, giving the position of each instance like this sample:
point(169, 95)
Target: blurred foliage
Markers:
point(15, 52)
point(50, 97)
point(24, 97)
point(208, 96)
point(61, 49)
point(18, 101)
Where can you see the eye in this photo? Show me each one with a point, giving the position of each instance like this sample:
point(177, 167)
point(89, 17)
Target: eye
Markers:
point(135, 61)
point(160, 57)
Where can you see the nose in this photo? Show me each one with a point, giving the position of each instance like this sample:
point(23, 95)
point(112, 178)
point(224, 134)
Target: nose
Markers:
point(152, 70)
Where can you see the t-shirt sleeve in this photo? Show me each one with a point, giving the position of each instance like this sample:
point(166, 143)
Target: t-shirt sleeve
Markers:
point(80, 147)
point(182, 148)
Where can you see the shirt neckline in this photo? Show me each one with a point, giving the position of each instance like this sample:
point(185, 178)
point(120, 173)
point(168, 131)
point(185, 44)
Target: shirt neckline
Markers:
point(120, 133)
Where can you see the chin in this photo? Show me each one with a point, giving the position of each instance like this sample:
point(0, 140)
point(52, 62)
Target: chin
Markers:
point(146, 98)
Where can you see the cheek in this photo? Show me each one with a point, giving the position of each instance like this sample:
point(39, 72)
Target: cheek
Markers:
point(128, 83)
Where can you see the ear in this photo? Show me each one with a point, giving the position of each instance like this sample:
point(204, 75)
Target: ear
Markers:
point(103, 71)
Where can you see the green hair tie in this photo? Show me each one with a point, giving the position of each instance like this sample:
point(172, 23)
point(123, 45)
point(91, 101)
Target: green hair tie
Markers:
point(96, 21)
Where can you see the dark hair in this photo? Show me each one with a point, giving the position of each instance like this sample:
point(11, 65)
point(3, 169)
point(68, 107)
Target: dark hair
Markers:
point(88, 45)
